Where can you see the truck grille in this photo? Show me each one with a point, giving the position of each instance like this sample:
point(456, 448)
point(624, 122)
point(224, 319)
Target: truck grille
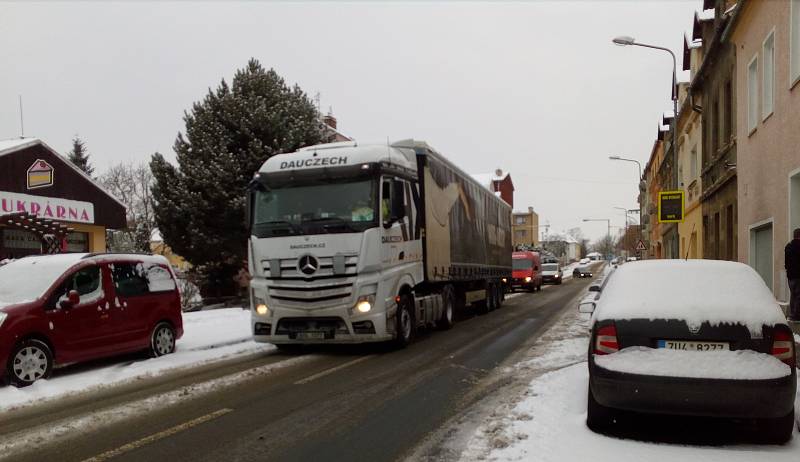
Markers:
point(330, 326)
point(331, 284)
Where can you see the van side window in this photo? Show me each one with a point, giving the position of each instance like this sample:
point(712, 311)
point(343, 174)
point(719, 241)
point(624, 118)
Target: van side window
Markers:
point(129, 279)
point(159, 279)
point(88, 283)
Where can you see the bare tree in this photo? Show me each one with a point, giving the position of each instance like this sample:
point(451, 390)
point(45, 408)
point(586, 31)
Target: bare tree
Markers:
point(605, 245)
point(131, 184)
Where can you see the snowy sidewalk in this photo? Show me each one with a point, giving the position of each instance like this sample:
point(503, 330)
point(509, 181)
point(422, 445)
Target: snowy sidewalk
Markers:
point(548, 421)
point(209, 336)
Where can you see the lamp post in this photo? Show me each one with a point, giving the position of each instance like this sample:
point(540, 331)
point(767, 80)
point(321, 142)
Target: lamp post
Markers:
point(629, 160)
point(630, 41)
point(625, 236)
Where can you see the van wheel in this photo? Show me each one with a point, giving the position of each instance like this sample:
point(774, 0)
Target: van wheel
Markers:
point(405, 322)
point(29, 361)
point(449, 305)
point(162, 341)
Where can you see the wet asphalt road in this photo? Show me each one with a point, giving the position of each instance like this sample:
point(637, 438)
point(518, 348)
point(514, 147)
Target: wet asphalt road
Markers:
point(336, 404)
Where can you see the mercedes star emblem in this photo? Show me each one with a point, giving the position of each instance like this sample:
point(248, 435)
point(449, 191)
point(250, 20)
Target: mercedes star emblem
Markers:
point(308, 264)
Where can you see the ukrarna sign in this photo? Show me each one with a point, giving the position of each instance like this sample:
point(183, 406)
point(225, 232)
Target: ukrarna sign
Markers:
point(47, 207)
point(670, 207)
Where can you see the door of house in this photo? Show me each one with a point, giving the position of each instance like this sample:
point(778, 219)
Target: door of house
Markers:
point(761, 252)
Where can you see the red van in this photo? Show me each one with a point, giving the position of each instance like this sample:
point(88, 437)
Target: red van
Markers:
point(68, 308)
point(527, 271)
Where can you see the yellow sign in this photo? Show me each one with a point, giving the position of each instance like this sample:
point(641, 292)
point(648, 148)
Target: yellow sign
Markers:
point(40, 174)
point(670, 206)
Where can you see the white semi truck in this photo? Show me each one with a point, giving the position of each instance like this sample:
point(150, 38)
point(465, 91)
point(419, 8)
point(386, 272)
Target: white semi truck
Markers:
point(368, 243)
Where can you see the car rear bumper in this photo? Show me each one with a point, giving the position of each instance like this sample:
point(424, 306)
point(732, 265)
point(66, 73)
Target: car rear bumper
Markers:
point(690, 396)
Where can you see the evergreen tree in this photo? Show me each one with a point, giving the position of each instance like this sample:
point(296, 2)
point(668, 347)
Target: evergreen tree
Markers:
point(200, 203)
point(79, 156)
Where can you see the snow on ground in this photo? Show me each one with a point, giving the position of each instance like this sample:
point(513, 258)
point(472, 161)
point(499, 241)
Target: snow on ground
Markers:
point(209, 336)
point(548, 421)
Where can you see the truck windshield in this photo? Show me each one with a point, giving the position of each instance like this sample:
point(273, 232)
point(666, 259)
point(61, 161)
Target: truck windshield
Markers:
point(550, 267)
point(521, 264)
point(345, 207)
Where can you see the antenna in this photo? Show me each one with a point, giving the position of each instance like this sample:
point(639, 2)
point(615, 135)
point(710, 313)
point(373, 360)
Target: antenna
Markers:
point(21, 119)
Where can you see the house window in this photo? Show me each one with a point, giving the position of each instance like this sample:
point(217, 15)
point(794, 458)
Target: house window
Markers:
point(520, 220)
point(715, 121)
point(768, 85)
point(693, 166)
point(752, 94)
point(794, 44)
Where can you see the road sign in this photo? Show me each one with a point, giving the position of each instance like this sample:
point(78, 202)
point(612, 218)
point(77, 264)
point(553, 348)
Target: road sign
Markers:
point(640, 246)
point(670, 206)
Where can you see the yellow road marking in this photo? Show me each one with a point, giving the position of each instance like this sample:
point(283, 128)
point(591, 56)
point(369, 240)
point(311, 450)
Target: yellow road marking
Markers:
point(157, 436)
point(332, 370)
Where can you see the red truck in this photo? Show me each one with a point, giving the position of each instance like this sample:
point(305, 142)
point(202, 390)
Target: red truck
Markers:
point(527, 271)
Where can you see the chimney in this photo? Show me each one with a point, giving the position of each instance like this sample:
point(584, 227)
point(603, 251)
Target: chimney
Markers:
point(329, 120)
point(530, 209)
point(498, 173)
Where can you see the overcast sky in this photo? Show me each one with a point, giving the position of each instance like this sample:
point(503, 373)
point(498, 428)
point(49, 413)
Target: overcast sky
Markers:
point(534, 88)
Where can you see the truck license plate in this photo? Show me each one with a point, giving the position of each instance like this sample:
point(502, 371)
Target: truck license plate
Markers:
point(693, 346)
point(310, 336)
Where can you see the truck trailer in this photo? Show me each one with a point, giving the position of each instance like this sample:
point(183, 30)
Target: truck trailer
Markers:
point(355, 243)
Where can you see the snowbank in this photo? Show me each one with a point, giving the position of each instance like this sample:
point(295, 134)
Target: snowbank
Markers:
point(695, 291)
point(209, 336)
point(723, 364)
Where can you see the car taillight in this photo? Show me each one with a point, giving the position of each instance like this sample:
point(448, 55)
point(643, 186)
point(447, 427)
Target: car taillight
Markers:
point(783, 346)
point(606, 340)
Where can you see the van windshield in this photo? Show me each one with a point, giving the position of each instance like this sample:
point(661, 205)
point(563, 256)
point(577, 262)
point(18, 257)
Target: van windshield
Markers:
point(521, 264)
point(27, 279)
point(550, 267)
point(343, 207)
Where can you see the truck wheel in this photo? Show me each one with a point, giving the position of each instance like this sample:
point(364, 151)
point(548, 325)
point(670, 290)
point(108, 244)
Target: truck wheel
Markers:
point(405, 322)
point(28, 362)
point(499, 296)
point(449, 306)
point(491, 298)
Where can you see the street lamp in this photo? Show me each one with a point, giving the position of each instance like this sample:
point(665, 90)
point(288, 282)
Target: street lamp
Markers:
point(624, 40)
point(625, 236)
point(629, 160)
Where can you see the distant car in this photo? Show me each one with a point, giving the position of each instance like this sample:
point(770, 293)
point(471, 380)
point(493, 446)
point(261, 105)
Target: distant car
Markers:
point(68, 308)
point(585, 261)
point(719, 346)
point(631, 259)
point(552, 273)
point(582, 271)
point(526, 271)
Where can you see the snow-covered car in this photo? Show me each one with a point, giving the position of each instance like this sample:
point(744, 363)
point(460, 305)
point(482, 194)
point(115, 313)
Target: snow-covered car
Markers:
point(584, 261)
point(552, 273)
point(69, 308)
point(693, 338)
point(583, 271)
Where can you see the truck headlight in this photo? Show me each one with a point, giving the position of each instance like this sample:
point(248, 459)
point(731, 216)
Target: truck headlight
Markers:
point(505, 280)
point(364, 303)
point(3, 316)
point(262, 309)
point(528, 279)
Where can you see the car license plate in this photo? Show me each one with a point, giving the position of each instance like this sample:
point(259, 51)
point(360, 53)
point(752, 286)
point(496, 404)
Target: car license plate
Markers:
point(693, 346)
point(310, 336)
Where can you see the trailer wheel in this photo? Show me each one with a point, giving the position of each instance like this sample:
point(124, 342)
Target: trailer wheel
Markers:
point(449, 305)
point(498, 296)
point(405, 322)
point(491, 299)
